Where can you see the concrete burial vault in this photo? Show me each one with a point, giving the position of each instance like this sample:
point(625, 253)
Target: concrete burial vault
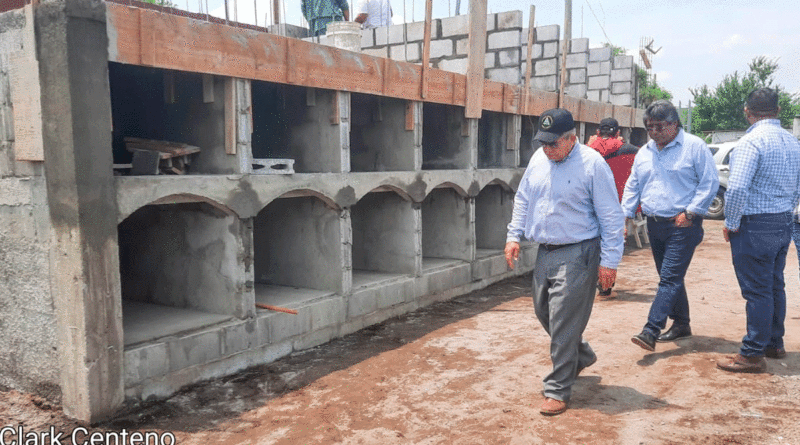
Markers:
point(163, 175)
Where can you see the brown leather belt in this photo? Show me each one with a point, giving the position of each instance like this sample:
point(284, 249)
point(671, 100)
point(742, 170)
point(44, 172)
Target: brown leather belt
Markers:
point(552, 247)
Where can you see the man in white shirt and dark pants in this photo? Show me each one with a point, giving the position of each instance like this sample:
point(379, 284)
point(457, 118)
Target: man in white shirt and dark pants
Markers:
point(373, 13)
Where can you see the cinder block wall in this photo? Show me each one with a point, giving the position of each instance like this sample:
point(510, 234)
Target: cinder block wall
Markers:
point(592, 73)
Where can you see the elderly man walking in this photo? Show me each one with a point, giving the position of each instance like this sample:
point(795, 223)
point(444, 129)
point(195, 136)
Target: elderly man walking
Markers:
point(675, 179)
point(763, 191)
point(567, 203)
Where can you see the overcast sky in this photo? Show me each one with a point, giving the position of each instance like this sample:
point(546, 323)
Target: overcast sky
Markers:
point(700, 41)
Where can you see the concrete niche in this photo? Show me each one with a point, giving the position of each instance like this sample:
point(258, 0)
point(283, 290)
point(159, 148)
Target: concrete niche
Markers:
point(527, 146)
point(172, 106)
point(181, 268)
point(445, 139)
point(379, 140)
point(303, 124)
point(298, 251)
point(383, 225)
point(493, 208)
point(493, 151)
point(447, 242)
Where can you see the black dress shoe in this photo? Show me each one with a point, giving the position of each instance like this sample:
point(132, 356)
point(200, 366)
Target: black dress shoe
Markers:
point(645, 340)
point(675, 332)
point(775, 352)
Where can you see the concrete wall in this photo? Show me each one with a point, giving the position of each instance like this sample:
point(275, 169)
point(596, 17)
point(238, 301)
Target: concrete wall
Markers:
point(493, 208)
point(447, 137)
point(384, 234)
point(446, 228)
point(379, 139)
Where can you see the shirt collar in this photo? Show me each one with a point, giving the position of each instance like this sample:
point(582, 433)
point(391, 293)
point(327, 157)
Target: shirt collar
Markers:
point(568, 156)
point(678, 141)
point(762, 122)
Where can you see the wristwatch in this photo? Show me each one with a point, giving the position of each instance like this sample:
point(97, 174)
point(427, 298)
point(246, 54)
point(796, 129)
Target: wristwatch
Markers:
point(689, 215)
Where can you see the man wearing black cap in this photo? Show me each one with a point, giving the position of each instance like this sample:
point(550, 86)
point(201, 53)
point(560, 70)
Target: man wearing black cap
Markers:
point(566, 202)
point(763, 191)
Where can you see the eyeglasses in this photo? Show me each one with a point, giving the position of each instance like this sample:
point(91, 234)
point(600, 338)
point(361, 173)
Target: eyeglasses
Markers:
point(658, 128)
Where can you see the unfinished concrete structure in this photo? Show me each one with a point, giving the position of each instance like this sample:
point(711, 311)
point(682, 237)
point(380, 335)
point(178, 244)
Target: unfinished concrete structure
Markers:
point(324, 183)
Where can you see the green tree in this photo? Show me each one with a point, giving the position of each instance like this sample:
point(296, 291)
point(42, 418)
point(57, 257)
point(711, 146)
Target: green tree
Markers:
point(165, 3)
point(721, 108)
point(649, 90)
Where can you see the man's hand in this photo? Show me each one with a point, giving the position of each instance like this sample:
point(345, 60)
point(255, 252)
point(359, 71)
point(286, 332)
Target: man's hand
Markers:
point(682, 221)
point(512, 253)
point(606, 277)
point(727, 234)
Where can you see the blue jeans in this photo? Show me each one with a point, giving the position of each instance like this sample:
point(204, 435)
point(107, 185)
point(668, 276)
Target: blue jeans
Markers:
point(796, 237)
point(759, 251)
point(673, 248)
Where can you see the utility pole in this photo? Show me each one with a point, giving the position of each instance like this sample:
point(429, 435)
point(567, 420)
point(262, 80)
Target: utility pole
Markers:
point(276, 12)
point(565, 49)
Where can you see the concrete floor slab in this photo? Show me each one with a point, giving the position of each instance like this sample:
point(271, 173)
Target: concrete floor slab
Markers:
point(287, 296)
point(432, 264)
point(486, 253)
point(364, 278)
point(143, 322)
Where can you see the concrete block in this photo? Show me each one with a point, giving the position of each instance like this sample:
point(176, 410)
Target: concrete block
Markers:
point(598, 82)
point(623, 62)
point(454, 65)
point(314, 338)
point(577, 76)
point(381, 36)
point(145, 362)
point(491, 24)
point(605, 68)
point(195, 349)
point(16, 192)
point(490, 60)
point(621, 99)
point(273, 166)
point(455, 26)
point(545, 33)
point(621, 87)
point(462, 47)
point(579, 45)
point(488, 267)
point(545, 67)
point(604, 96)
point(396, 34)
point(239, 337)
point(441, 48)
point(509, 20)
point(578, 60)
point(546, 83)
point(578, 90)
point(506, 75)
point(415, 31)
point(362, 302)
point(622, 75)
point(593, 95)
point(535, 54)
point(503, 39)
point(283, 326)
point(509, 57)
point(411, 52)
point(263, 323)
point(367, 38)
point(395, 293)
point(600, 54)
point(327, 313)
point(550, 50)
point(377, 52)
point(593, 69)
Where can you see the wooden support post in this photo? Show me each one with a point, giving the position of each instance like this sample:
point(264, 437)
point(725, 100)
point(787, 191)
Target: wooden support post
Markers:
point(410, 115)
point(475, 59)
point(528, 68)
point(231, 116)
point(565, 49)
point(426, 48)
point(336, 117)
point(276, 12)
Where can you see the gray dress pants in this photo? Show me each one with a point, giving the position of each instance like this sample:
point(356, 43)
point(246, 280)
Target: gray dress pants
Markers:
point(564, 284)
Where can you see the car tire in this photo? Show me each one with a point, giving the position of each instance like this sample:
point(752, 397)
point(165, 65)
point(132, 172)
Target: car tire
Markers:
point(717, 208)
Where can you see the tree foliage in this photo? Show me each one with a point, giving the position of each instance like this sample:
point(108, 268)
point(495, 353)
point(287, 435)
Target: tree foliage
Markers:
point(165, 3)
point(649, 90)
point(721, 108)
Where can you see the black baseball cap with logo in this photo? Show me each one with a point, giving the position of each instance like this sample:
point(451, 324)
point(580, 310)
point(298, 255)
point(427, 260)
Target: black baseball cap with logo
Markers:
point(609, 124)
point(552, 124)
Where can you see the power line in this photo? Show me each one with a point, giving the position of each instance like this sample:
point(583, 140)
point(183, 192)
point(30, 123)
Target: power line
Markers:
point(598, 22)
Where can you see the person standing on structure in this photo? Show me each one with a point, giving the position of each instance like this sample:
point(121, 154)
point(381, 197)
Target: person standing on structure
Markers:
point(318, 13)
point(674, 178)
point(763, 191)
point(566, 202)
point(373, 13)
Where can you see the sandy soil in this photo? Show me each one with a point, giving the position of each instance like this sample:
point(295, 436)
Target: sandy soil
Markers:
point(469, 371)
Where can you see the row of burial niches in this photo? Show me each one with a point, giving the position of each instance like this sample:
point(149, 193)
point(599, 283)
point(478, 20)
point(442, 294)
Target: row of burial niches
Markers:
point(174, 122)
point(192, 265)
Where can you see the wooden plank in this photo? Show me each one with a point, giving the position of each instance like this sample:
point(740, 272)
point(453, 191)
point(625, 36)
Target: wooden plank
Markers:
point(231, 116)
point(528, 67)
point(476, 58)
point(426, 49)
point(492, 96)
point(168, 149)
point(565, 48)
point(26, 96)
point(336, 117)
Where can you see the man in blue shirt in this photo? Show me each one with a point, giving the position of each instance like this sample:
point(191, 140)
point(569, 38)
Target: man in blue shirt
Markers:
point(566, 202)
point(675, 179)
point(763, 190)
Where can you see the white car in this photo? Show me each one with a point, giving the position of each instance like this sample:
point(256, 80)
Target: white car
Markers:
point(722, 157)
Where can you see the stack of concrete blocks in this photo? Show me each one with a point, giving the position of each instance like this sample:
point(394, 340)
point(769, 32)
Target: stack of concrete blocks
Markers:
point(592, 74)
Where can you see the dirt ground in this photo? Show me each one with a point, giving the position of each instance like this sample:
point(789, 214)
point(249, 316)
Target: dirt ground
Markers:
point(468, 371)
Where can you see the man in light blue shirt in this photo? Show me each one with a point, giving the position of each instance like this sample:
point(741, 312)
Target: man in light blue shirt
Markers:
point(763, 191)
point(568, 203)
point(674, 179)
